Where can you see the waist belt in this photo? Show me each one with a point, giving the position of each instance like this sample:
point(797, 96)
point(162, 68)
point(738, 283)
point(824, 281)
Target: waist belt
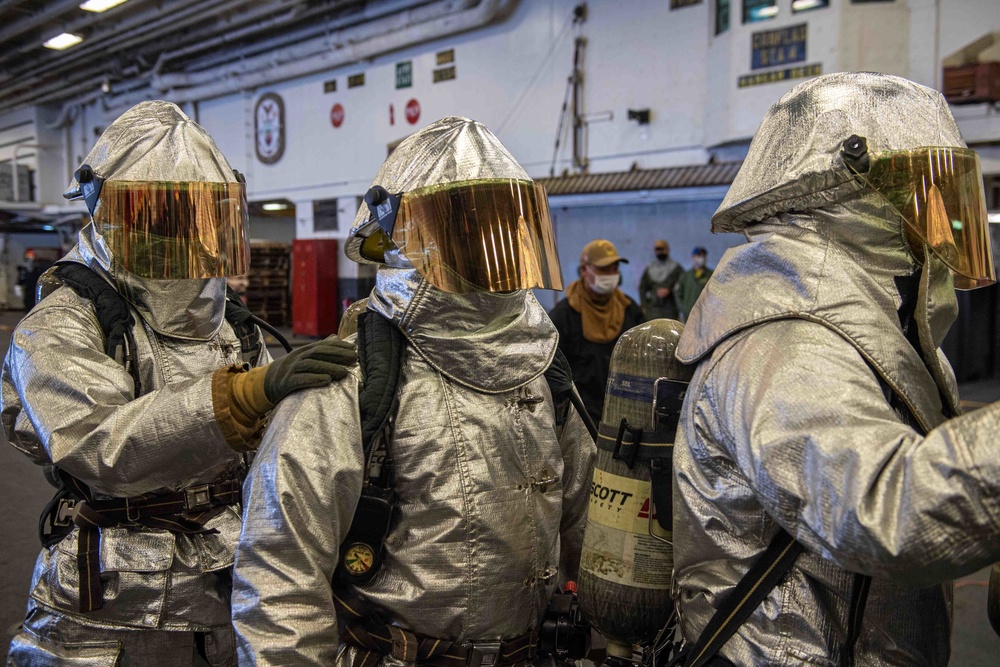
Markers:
point(375, 640)
point(185, 511)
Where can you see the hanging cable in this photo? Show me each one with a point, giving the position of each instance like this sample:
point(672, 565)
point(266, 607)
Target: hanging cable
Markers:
point(560, 129)
point(538, 72)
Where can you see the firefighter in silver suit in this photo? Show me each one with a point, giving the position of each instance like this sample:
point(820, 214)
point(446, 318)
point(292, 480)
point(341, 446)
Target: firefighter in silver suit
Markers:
point(147, 438)
point(491, 490)
point(822, 405)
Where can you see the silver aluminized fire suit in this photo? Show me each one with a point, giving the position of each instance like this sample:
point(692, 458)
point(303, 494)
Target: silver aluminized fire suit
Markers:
point(65, 401)
point(492, 494)
point(811, 410)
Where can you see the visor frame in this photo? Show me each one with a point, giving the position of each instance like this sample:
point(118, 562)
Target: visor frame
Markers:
point(132, 216)
point(938, 193)
point(492, 235)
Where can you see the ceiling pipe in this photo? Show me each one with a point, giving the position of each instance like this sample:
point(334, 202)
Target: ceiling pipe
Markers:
point(130, 33)
point(485, 14)
point(11, 101)
point(282, 40)
point(37, 19)
point(108, 28)
point(58, 88)
point(369, 13)
point(227, 36)
point(69, 110)
point(147, 21)
point(7, 5)
point(374, 44)
point(343, 47)
point(141, 81)
point(66, 117)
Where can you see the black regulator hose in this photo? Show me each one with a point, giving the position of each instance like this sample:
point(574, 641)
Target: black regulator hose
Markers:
point(577, 402)
point(271, 330)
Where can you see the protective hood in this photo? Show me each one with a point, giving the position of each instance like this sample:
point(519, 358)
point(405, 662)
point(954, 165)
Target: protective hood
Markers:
point(489, 342)
point(450, 150)
point(156, 142)
point(837, 267)
point(822, 246)
point(795, 160)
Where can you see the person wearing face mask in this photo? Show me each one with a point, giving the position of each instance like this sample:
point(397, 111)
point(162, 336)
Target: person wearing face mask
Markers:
point(658, 284)
point(143, 389)
point(822, 465)
point(594, 314)
point(422, 510)
point(693, 281)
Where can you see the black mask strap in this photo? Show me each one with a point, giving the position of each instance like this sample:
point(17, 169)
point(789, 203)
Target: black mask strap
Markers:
point(90, 186)
point(383, 207)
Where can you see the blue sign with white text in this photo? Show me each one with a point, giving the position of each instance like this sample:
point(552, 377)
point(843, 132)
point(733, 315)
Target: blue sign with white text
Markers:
point(774, 48)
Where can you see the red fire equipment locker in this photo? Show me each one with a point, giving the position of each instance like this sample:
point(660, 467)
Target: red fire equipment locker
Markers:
point(314, 287)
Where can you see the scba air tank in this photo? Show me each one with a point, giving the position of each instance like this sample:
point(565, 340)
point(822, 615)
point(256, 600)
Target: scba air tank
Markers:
point(627, 559)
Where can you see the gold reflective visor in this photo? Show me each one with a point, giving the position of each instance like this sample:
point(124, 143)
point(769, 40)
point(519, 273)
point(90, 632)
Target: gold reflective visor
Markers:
point(484, 235)
point(939, 193)
point(175, 230)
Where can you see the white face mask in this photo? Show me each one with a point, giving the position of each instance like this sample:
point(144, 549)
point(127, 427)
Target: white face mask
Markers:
point(605, 284)
point(698, 262)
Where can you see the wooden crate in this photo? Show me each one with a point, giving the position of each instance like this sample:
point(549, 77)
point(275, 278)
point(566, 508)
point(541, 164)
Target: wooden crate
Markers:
point(268, 294)
point(969, 84)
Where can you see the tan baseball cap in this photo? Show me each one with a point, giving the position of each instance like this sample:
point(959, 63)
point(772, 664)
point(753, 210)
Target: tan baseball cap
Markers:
point(600, 253)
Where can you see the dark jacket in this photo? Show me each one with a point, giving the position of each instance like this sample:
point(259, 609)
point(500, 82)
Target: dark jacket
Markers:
point(689, 288)
point(652, 305)
point(589, 360)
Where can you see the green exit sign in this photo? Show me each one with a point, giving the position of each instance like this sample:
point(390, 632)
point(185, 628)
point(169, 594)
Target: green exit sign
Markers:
point(404, 74)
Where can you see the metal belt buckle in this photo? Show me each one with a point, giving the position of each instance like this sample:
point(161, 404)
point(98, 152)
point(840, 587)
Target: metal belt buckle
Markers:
point(483, 654)
point(132, 512)
point(65, 512)
point(197, 498)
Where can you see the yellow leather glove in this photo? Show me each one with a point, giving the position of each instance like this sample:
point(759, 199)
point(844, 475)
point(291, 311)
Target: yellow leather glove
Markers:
point(240, 405)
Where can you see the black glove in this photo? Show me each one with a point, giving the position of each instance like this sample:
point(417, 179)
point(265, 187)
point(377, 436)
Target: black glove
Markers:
point(312, 365)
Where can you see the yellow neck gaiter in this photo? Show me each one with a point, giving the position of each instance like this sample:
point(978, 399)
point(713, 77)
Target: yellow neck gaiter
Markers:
point(602, 316)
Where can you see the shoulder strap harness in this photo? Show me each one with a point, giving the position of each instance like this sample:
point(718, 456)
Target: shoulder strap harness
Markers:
point(380, 353)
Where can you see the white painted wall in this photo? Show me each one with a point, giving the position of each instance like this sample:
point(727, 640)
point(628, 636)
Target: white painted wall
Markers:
point(640, 54)
point(513, 75)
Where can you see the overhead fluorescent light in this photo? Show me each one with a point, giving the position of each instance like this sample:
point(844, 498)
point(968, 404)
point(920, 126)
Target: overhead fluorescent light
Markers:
point(63, 41)
point(803, 5)
point(274, 206)
point(766, 12)
point(994, 218)
point(100, 5)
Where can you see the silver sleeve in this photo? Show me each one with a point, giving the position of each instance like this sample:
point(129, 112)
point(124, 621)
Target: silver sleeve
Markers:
point(299, 500)
point(80, 404)
point(813, 434)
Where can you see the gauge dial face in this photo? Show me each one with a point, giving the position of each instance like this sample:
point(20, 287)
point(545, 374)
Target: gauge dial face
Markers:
point(359, 558)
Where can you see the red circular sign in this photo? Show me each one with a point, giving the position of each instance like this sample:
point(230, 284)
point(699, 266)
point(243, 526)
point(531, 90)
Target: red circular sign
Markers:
point(337, 115)
point(412, 112)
